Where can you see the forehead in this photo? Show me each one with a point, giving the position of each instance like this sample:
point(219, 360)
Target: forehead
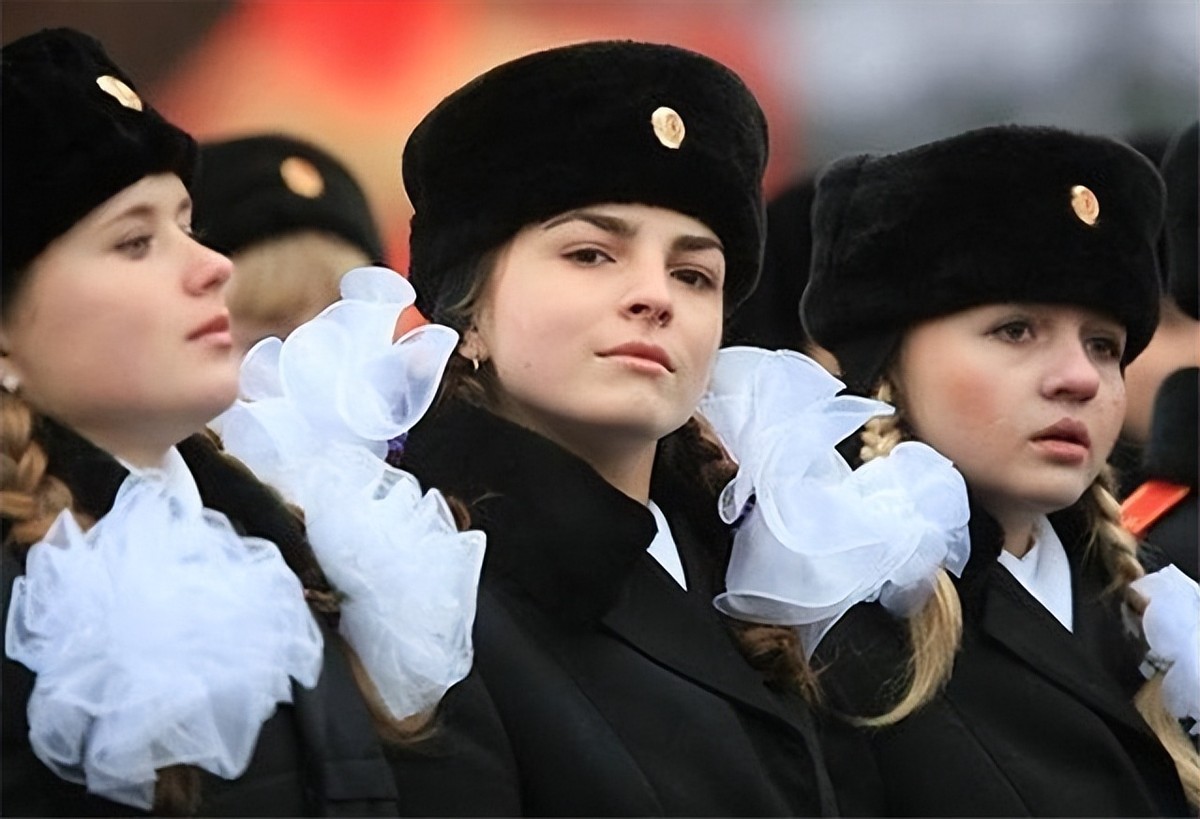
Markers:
point(1045, 311)
point(635, 216)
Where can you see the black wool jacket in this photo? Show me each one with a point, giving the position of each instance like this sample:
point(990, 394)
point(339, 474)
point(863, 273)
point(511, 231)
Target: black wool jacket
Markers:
point(1036, 720)
point(619, 693)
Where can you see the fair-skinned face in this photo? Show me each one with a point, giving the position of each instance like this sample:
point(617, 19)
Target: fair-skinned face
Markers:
point(1026, 399)
point(119, 329)
point(602, 325)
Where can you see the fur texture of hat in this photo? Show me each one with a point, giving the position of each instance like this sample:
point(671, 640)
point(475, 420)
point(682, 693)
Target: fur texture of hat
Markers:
point(575, 126)
point(1182, 230)
point(71, 140)
point(770, 317)
point(264, 186)
point(990, 216)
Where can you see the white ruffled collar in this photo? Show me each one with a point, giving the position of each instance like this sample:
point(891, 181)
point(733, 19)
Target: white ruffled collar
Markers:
point(159, 637)
point(316, 415)
point(819, 537)
point(176, 479)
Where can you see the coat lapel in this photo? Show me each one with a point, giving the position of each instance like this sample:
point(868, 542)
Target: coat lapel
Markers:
point(682, 631)
point(1013, 618)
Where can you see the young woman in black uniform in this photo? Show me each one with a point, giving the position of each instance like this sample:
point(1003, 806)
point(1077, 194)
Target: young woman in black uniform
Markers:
point(586, 217)
point(993, 286)
point(171, 640)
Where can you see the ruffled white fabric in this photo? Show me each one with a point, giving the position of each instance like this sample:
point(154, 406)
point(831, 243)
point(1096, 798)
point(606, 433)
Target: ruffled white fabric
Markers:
point(318, 411)
point(1171, 625)
point(818, 537)
point(160, 637)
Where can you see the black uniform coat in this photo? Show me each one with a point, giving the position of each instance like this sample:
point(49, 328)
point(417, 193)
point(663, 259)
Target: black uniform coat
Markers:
point(1035, 721)
point(318, 756)
point(620, 693)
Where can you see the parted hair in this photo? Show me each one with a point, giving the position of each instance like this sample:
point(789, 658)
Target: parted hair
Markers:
point(935, 631)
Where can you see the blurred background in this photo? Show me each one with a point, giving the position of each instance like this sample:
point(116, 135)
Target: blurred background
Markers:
point(834, 76)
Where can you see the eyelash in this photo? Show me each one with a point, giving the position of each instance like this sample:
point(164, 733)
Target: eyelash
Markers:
point(136, 246)
point(597, 256)
point(1002, 332)
point(1108, 348)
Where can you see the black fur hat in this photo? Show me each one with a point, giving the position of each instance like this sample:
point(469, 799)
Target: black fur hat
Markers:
point(75, 133)
point(578, 125)
point(1008, 213)
point(263, 186)
point(1182, 230)
point(770, 317)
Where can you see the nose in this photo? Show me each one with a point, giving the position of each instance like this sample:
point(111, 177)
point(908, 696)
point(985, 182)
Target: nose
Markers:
point(649, 294)
point(1072, 375)
point(207, 269)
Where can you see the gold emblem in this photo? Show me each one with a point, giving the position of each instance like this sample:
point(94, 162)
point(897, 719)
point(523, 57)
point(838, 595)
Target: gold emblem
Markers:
point(302, 177)
point(119, 91)
point(668, 127)
point(1085, 204)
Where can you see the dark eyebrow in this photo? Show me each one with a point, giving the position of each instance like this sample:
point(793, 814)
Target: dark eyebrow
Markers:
point(689, 243)
point(609, 224)
point(623, 229)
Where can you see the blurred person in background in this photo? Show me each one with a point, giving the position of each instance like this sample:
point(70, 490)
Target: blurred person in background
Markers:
point(292, 218)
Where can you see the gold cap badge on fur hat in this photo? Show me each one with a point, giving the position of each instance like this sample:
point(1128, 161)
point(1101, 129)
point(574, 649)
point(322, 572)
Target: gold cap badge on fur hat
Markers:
point(119, 91)
point(1085, 204)
point(668, 126)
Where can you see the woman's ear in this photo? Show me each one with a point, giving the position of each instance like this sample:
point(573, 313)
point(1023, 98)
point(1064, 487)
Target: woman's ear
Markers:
point(472, 347)
point(10, 378)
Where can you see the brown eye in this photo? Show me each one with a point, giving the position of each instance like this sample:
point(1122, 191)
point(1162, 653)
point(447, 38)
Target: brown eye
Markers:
point(1014, 331)
point(589, 257)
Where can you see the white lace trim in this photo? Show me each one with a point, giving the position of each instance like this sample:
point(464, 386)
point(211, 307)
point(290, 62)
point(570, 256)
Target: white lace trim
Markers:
point(159, 637)
point(820, 537)
point(318, 411)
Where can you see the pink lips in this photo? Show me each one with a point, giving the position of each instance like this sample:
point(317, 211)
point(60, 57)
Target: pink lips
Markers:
point(1066, 441)
point(641, 350)
point(217, 325)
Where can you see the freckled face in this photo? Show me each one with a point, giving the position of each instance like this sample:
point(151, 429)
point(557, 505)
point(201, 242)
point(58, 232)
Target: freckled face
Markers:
point(1027, 400)
point(604, 321)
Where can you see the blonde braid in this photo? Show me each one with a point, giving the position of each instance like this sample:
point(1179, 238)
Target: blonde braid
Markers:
point(1118, 550)
point(935, 631)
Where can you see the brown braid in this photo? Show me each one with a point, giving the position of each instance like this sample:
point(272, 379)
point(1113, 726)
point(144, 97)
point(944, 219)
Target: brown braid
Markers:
point(30, 498)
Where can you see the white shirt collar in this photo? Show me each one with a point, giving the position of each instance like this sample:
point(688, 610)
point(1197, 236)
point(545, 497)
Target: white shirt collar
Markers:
point(663, 548)
point(176, 479)
point(1045, 572)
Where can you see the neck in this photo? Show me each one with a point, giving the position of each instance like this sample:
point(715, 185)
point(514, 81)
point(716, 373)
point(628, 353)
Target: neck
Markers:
point(627, 470)
point(1018, 528)
point(140, 450)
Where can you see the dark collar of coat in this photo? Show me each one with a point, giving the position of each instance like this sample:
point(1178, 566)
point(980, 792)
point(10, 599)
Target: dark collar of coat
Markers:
point(1098, 660)
point(555, 527)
